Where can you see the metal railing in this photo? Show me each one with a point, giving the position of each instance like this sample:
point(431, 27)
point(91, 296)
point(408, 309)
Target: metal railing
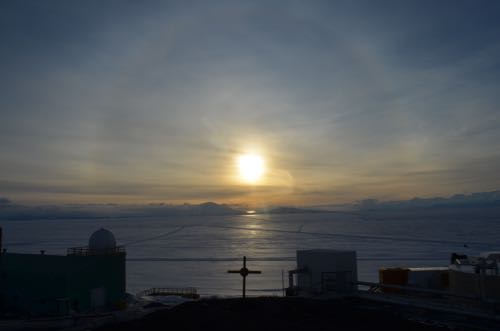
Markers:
point(85, 251)
point(187, 292)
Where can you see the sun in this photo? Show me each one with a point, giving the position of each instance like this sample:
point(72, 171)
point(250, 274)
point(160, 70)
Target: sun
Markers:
point(251, 167)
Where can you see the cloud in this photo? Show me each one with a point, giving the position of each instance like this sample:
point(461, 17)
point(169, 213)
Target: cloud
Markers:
point(137, 192)
point(153, 102)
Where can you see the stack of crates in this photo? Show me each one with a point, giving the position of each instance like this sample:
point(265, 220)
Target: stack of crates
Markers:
point(434, 278)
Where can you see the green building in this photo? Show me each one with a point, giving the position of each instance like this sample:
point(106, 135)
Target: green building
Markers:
point(90, 278)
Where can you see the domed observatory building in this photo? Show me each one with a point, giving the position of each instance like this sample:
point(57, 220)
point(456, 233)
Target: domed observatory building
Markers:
point(102, 242)
point(99, 273)
point(89, 278)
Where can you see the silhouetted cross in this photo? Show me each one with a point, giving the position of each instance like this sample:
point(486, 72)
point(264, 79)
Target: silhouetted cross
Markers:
point(244, 272)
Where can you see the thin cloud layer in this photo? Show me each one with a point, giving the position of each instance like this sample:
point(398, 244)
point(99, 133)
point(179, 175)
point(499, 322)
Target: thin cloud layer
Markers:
point(152, 102)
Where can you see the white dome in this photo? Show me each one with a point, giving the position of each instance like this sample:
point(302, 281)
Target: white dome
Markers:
point(102, 240)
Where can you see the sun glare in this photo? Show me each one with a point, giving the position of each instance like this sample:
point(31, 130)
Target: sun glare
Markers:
point(251, 167)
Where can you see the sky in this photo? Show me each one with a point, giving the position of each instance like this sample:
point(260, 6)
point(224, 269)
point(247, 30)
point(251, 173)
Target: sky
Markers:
point(153, 101)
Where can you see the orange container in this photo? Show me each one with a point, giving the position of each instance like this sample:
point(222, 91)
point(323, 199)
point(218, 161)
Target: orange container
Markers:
point(393, 276)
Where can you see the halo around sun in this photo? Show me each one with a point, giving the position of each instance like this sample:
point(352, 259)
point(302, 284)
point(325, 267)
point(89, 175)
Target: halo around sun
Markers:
point(251, 168)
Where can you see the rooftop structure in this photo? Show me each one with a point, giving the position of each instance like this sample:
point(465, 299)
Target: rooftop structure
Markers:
point(476, 276)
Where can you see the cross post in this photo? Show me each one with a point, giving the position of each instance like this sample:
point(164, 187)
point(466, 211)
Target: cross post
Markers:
point(244, 272)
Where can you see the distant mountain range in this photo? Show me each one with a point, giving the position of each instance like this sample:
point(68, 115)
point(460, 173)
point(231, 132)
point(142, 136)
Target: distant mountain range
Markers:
point(10, 210)
point(486, 201)
point(288, 210)
point(473, 200)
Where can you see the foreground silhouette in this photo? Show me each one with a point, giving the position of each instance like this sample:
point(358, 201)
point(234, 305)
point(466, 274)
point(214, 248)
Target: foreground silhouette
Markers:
point(276, 313)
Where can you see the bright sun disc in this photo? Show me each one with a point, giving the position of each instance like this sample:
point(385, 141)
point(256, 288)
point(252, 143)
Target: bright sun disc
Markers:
point(251, 167)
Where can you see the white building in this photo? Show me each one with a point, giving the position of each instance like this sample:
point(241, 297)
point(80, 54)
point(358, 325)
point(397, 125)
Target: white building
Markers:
point(323, 271)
